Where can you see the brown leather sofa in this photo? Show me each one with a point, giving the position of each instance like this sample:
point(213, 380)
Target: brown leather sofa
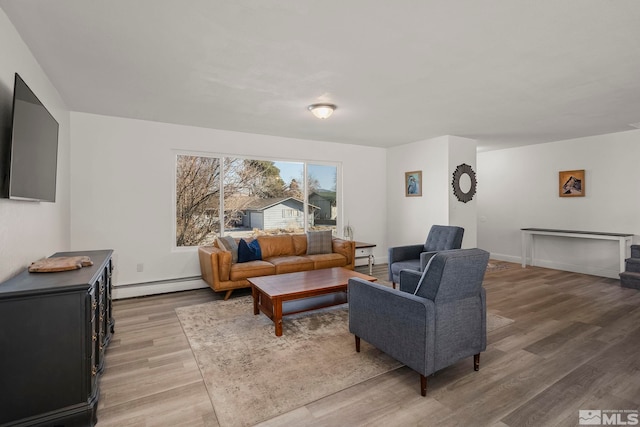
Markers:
point(282, 253)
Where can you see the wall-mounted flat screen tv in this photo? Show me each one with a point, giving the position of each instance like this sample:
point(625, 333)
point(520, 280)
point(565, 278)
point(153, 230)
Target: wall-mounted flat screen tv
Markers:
point(33, 154)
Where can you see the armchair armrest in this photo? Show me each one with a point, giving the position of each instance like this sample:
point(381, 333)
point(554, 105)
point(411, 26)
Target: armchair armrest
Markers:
point(377, 313)
point(424, 259)
point(400, 253)
point(409, 280)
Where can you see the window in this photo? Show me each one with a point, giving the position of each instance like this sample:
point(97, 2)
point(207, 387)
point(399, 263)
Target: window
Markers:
point(291, 213)
point(197, 200)
point(254, 195)
point(322, 199)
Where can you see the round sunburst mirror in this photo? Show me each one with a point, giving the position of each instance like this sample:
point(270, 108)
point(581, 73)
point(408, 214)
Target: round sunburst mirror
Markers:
point(464, 183)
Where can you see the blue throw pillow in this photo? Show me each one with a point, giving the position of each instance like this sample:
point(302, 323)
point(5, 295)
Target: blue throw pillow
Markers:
point(249, 252)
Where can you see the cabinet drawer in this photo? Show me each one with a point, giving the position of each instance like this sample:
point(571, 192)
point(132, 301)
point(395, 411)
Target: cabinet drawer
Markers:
point(363, 252)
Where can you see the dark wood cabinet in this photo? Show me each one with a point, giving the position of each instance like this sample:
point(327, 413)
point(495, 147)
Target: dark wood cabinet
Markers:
point(54, 329)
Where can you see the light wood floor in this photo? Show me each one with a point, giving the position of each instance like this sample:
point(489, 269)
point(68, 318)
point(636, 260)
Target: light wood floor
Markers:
point(575, 344)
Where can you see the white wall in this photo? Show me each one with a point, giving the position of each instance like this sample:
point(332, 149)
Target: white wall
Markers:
point(410, 218)
point(463, 150)
point(28, 230)
point(122, 188)
point(519, 189)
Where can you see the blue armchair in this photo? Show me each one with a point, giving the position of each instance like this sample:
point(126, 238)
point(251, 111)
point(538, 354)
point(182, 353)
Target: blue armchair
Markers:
point(435, 319)
point(416, 257)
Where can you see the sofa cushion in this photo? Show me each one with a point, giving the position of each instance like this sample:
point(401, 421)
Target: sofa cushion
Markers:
point(291, 264)
point(277, 245)
point(410, 264)
point(249, 252)
point(299, 244)
point(245, 270)
point(228, 243)
point(327, 260)
point(319, 242)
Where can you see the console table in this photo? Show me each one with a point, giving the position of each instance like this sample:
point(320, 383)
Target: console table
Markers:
point(624, 240)
point(55, 328)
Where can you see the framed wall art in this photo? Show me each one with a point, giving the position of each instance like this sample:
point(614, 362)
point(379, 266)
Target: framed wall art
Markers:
point(413, 184)
point(571, 183)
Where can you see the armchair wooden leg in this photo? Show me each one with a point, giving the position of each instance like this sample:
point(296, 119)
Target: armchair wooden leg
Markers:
point(476, 362)
point(423, 385)
point(357, 343)
point(228, 294)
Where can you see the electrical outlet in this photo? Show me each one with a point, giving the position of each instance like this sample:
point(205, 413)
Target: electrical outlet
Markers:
point(140, 268)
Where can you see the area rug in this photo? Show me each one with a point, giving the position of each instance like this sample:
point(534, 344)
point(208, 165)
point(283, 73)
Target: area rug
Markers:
point(495, 321)
point(251, 375)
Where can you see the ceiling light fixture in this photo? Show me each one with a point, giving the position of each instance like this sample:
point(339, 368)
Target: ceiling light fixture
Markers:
point(322, 111)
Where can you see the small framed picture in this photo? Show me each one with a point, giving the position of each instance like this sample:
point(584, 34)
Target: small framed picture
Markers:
point(572, 183)
point(413, 184)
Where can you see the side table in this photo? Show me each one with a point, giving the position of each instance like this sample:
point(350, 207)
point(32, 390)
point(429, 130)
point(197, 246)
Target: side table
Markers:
point(365, 250)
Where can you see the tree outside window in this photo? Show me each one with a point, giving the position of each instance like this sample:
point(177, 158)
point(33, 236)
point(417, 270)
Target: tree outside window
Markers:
point(197, 200)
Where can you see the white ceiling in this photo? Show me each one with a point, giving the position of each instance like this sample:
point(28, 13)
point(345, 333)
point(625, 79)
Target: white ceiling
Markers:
point(503, 72)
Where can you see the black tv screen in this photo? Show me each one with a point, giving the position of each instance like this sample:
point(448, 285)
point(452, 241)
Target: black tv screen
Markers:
point(34, 148)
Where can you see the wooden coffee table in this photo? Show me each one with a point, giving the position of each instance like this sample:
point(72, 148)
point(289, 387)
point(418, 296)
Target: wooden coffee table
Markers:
point(305, 290)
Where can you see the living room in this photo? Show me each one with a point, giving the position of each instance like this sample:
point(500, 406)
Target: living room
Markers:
point(116, 174)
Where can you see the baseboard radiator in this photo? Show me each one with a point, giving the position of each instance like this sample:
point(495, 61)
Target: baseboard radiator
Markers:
point(158, 287)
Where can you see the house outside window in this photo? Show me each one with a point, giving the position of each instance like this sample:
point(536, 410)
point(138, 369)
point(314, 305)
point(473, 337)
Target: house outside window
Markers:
point(321, 189)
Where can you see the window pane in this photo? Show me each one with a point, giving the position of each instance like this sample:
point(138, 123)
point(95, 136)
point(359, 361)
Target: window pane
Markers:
point(323, 207)
point(197, 200)
point(262, 196)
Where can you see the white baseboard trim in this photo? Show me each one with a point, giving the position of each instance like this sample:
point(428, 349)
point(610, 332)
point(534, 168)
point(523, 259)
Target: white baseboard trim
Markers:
point(583, 269)
point(160, 287)
point(507, 258)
